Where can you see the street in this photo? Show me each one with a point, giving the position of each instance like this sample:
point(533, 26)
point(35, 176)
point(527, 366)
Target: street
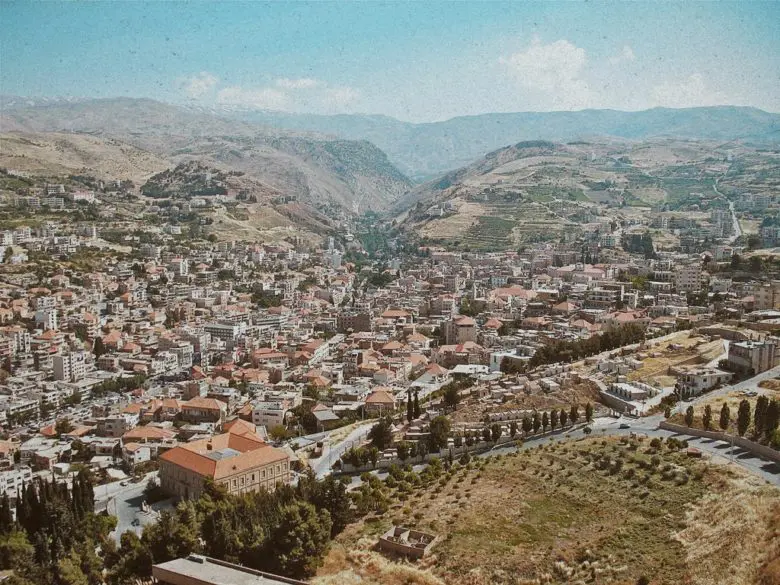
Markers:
point(332, 453)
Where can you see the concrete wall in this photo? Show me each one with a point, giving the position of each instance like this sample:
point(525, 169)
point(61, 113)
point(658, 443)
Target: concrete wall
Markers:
point(743, 443)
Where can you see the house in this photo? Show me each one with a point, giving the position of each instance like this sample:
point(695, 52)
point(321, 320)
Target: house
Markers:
point(381, 400)
point(134, 454)
point(201, 409)
point(238, 463)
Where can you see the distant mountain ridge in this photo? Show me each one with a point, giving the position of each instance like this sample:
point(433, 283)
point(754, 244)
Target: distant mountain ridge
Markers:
point(425, 150)
point(312, 168)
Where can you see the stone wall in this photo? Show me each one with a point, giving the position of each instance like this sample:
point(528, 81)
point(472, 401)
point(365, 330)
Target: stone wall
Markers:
point(741, 442)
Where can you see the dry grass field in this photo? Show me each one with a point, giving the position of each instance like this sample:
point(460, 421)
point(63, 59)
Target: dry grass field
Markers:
point(591, 511)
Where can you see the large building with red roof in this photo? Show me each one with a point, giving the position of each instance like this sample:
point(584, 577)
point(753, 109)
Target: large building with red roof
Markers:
point(238, 462)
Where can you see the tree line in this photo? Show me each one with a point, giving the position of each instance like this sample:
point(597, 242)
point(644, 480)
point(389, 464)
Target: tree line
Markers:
point(765, 419)
point(568, 351)
point(55, 535)
point(286, 532)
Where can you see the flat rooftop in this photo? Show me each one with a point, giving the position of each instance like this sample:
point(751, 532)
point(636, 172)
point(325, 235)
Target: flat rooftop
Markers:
point(200, 570)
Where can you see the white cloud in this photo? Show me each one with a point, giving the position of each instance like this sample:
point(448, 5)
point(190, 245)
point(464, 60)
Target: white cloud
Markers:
point(301, 83)
point(686, 93)
point(199, 85)
point(340, 98)
point(293, 95)
point(626, 55)
point(555, 69)
point(266, 98)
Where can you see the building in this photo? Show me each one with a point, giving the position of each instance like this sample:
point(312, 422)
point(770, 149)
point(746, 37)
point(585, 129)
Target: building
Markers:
point(239, 463)
point(460, 330)
point(354, 321)
point(380, 401)
point(70, 367)
point(200, 570)
point(11, 481)
point(200, 409)
point(407, 542)
point(697, 380)
point(753, 356)
point(688, 278)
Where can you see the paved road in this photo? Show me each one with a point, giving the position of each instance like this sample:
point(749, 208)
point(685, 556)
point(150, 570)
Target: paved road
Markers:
point(332, 453)
point(720, 451)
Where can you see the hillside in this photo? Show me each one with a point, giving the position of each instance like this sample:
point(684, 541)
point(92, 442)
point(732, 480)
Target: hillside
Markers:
point(353, 175)
point(538, 191)
point(424, 150)
point(570, 513)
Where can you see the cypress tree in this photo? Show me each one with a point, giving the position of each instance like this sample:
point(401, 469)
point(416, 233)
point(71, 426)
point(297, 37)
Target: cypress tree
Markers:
point(417, 411)
point(6, 518)
point(759, 416)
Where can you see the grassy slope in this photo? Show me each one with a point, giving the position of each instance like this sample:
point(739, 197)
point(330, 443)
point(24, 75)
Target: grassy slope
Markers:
point(549, 515)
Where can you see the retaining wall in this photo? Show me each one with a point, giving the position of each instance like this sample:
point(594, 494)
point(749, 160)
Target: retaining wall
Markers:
point(741, 442)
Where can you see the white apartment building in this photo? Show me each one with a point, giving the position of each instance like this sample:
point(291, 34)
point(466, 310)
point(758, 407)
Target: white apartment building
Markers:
point(11, 481)
point(70, 367)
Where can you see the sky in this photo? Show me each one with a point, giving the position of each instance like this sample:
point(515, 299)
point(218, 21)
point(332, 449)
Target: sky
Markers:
point(416, 61)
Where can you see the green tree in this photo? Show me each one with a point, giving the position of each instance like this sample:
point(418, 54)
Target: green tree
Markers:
point(537, 423)
point(706, 419)
point(439, 433)
point(574, 414)
point(553, 419)
point(451, 396)
point(725, 417)
point(759, 415)
point(772, 417)
point(402, 448)
point(373, 455)
point(63, 426)
point(381, 434)
point(99, 347)
point(417, 411)
point(527, 426)
point(563, 417)
point(588, 412)
point(495, 432)
point(743, 417)
point(513, 429)
point(545, 421)
point(689, 416)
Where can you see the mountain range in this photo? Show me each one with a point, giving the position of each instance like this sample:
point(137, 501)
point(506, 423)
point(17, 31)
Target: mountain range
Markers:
point(423, 151)
point(353, 162)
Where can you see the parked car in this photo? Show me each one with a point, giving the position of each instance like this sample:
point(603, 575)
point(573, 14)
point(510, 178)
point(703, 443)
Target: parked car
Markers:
point(625, 426)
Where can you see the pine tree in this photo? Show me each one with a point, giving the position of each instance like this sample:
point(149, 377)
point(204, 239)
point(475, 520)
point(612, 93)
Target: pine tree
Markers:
point(545, 421)
point(526, 425)
point(564, 416)
point(588, 412)
point(536, 422)
point(553, 419)
point(574, 414)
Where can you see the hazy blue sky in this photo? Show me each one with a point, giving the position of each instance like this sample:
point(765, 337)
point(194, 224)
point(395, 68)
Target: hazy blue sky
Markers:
point(416, 61)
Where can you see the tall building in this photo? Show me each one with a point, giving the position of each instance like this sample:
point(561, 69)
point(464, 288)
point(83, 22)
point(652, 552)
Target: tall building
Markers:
point(70, 367)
